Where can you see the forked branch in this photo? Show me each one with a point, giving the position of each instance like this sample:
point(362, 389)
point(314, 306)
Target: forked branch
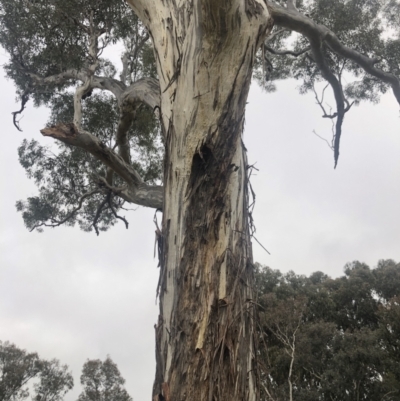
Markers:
point(24, 101)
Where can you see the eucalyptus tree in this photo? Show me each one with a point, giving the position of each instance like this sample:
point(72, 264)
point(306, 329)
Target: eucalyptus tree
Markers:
point(189, 112)
point(102, 381)
point(20, 372)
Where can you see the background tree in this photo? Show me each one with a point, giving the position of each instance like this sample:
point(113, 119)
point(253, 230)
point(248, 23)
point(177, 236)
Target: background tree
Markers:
point(20, 371)
point(205, 250)
point(330, 348)
point(102, 381)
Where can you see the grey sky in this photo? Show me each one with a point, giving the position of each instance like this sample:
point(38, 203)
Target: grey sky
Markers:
point(72, 295)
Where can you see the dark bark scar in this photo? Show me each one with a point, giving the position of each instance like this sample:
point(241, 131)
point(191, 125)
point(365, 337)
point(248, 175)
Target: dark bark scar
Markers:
point(252, 8)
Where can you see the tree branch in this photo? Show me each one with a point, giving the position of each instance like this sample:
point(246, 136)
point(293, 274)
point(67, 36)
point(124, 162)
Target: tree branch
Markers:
point(291, 5)
point(148, 11)
point(137, 191)
point(310, 29)
point(326, 72)
point(24, 101)
point(56, 223)
point(319, 35)
point(287, 52)
point(145, 90)
point(114, 212)
point(104, 83)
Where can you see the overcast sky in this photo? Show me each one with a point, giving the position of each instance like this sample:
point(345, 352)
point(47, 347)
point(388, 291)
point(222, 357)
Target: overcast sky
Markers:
point(72, 296)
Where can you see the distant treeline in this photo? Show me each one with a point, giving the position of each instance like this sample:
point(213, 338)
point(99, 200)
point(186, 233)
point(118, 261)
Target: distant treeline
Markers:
point(330, 339)
point(319, 339)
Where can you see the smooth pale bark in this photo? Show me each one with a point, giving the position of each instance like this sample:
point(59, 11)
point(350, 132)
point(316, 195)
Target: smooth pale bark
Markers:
point(205, 51)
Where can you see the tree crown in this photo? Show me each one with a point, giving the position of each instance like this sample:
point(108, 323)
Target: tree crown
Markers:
point(56, 51)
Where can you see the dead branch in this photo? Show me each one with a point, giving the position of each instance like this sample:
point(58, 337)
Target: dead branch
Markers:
point(24, 101)
point(325, 140)
point(115, 213)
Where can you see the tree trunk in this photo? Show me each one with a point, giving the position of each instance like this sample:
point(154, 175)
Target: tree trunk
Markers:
point(205, 337)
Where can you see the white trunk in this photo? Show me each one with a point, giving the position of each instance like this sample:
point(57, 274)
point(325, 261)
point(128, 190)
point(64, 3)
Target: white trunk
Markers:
point(205, 50)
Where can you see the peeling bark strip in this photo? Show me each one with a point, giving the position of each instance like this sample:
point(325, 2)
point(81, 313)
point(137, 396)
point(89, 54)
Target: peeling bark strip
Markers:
point(205, 51)
point(253, 9)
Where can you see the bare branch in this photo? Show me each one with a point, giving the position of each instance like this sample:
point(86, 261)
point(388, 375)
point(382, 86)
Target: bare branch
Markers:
point(109, 84)
point(109, 200)
point(320, 102)
point(24, 101)
point(262, 246)
point(325, 140)
point(57, 79)
point(326, 72)
point(104, 83)
point(145, 90)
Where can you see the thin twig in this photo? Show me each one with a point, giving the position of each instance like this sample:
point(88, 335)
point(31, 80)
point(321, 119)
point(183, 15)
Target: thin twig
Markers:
point(115, 213)
point(262, 246)
point(98, 214)
point(325, 140)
